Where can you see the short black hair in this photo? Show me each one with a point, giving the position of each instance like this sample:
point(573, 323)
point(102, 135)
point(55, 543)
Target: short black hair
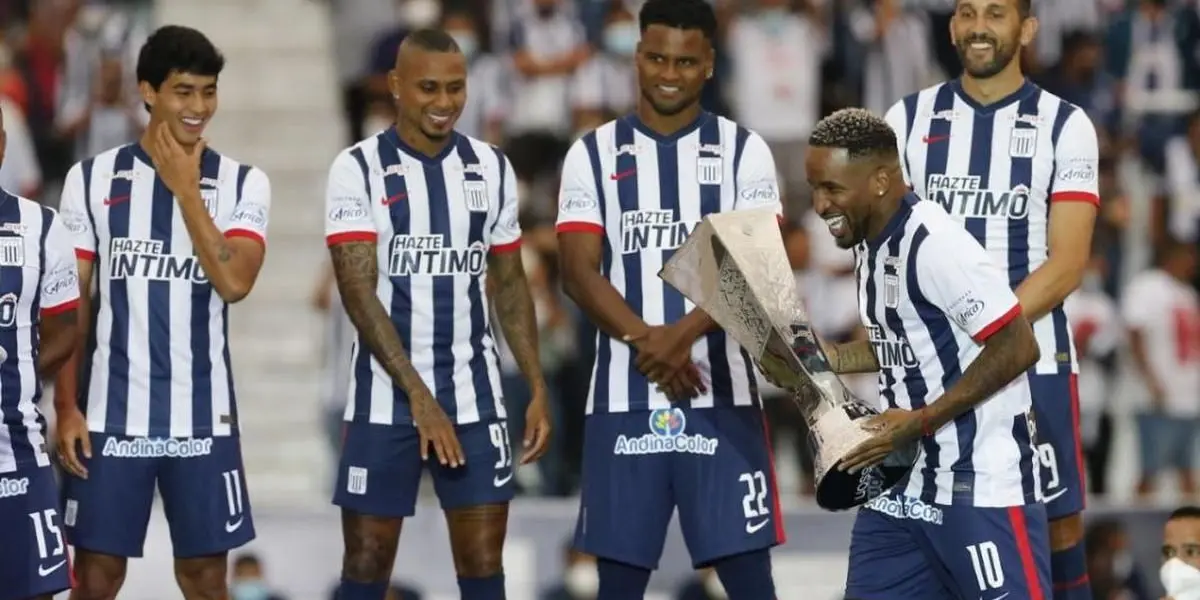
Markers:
point(432, 40)
point(680, 14)
point(177, 49)
point(859, 131)
point(1025, 8)
point(1185, 512)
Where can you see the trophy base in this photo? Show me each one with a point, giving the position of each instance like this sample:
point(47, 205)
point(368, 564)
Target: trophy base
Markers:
point(839, 490)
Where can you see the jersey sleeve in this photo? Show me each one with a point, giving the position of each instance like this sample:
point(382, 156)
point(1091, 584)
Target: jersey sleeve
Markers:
point(897, 118)
point(757, 179)
point(73, 215)
point(1076, 162)
point(506, 233)
point(60, 281)
point(578, 198)
point(251, 215)
point(956, 275)
point(348, 203)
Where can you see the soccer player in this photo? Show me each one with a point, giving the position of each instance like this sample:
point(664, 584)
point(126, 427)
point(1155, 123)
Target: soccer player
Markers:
point(168, 234)
point(1018, 168)
point(39, 293)
point(632, 191)
point(950, 343)
point(420, 222)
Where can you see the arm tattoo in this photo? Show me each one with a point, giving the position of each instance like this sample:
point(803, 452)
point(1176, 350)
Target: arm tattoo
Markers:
point(356, 269)
point(1005, 356)
point(853, 357)
point(224, 253)
point(514, 309)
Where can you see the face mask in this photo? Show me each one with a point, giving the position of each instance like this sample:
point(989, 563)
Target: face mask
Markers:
point(249, 590)
point(1180, 578)
point(622, 38)
point(582, 581)
point(772, 19)
point(466, 42)
point(714, 589)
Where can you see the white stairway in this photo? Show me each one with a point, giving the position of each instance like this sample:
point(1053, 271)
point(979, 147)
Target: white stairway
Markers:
point(279, 111)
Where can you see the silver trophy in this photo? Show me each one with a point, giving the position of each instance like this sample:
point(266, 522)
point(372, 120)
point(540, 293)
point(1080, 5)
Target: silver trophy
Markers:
point(734, 267)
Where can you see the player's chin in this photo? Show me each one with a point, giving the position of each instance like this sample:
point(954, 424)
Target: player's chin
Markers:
point(438, 132)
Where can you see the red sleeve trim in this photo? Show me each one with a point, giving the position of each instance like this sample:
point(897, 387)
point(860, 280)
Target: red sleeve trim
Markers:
point(998, 324)
point(509, 247)
point(1075, 197)
point(579, 227)
point(351, 236)
point(50, 311)
point(82, 254)
point(246, 233)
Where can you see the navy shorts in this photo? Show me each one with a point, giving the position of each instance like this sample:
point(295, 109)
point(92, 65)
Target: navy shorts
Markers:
point(904, 549)
point(1060, 450)
point(713, 464)
point(379, 473)
point(34, 559)
point(201, 482)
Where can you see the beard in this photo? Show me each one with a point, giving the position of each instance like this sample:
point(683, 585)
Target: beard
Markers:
point(1002, 55)
point(672, 109)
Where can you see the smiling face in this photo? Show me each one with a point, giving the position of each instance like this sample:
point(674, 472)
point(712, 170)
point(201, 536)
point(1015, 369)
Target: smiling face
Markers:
point(672, 66)
point(184, 102)
point(989, 35)
point(845, 192)
point(430, 89)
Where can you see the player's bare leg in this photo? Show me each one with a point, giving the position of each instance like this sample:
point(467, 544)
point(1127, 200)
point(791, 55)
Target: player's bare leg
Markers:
point(1066, 542)
point(97, 576)
point(477, 544)
point(369, 553)
point(203, 577)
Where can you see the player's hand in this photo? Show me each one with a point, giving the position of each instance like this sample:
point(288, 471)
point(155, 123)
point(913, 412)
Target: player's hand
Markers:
point(685, 384)
point(73, 440)
point(435, 430)
point(178, 168)
point(537, 428)
point(662, 351)
point(891, 430)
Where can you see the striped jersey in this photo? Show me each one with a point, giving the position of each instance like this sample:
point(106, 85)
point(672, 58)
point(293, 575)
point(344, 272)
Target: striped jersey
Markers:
point(434, 220)
point(997, 169)
point(157, 361)
point(38, 278)
point(930, 297)
point(644, 193)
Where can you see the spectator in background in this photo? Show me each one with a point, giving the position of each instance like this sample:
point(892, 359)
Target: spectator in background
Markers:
point(107, 118)
point(397, 590)
point(1057, 21)
point(775, 87)
point(1079, 78)
point(20, 173)
point(482, 116)
point(702, 585)
point(356, 25)
point(1183, 180)
point(1180, 572)
point(1162, 312)
point(338, 340)
point(606, 86)
point(1151, 49)
point(1112, 572)
point(248, 581)
point(1097, 332)
point(548, 46)
point(898, 59)
point(580, 579)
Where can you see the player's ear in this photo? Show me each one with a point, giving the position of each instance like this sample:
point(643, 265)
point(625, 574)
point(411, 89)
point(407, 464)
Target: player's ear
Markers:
point(149, 94)
point(393, 79)
point(881, 181)
point(1029, 29)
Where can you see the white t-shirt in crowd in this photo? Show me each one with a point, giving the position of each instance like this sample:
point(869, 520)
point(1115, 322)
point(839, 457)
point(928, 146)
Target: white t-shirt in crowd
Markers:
point(1167, 312)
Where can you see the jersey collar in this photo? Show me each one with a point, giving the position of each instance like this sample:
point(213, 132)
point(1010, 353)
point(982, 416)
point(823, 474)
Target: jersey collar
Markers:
point(1027, 88)
point(896, 222)
point(672, 138)
point(393, 137)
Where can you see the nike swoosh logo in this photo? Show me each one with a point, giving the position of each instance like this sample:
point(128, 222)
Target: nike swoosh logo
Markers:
point(390, 200)
point(115, 200)
point(231, 527)
point(753, 528)
point(1000, 597)
point(622, 174)
point(1051, 498)
point(933, 139)
point(500, 481)
point(44, 571)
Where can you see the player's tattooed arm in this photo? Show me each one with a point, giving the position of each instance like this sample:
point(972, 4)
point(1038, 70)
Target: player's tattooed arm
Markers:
point(1006, 355)
point(58, 334)
point(356, 270)
point(514, 308)
point(852, 357)
point(232, 264)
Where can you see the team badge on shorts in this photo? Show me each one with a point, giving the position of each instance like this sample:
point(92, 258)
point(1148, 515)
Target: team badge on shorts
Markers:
point(475, 193)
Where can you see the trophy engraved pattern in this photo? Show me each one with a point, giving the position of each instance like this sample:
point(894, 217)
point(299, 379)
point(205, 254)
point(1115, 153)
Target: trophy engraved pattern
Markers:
point(734, 267)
